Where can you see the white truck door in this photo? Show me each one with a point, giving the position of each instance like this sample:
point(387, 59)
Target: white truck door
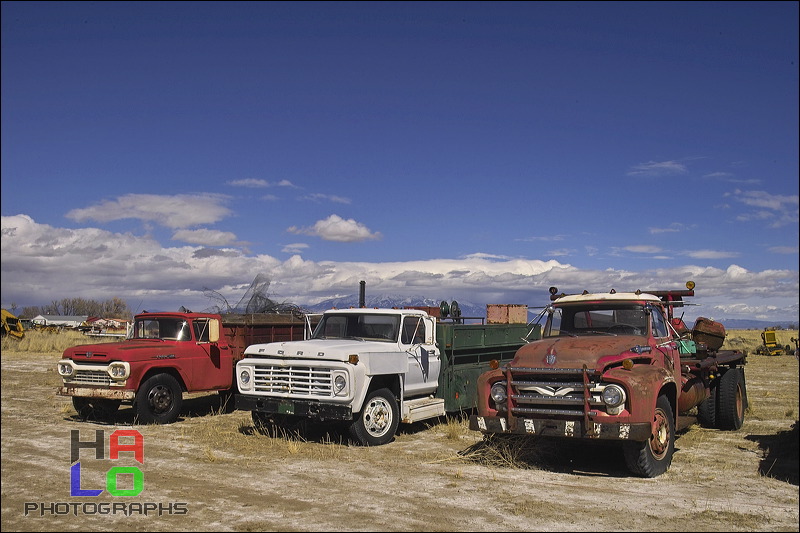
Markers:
point(424, 364)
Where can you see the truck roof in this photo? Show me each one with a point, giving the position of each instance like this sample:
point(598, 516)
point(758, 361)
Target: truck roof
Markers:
point(378, 310)
point(607, 296)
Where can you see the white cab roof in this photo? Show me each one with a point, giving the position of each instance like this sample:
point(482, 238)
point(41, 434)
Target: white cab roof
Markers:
point(608, 297)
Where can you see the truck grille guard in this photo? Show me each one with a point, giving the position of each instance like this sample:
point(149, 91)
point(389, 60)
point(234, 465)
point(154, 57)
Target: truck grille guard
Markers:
point(556, 392)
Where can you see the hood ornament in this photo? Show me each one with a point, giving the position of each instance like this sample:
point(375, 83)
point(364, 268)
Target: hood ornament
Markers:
point(550, 357)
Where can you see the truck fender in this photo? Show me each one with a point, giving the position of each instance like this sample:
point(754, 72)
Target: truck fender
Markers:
point(371, 383)
point(153, 370)
point(645, 384)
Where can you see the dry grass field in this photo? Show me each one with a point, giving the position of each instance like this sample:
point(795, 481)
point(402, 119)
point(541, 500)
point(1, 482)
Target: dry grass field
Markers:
point(212, 471)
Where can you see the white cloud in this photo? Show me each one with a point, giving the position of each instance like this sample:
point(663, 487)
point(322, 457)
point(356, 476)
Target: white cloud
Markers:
point(259, 183)
point(788, 250)
point(317, 197)
point(206, 237)
point(485, 256)
point(335, 228)
point(675, 227)
point(643, 249)
point(543, 238)
point(294, 248)
point(780, 210)
point(250, 182)
point(710, 254)
point(43, 263)
point(559, 252)
point(178, 211)
point(775, 202)
point(658, 168)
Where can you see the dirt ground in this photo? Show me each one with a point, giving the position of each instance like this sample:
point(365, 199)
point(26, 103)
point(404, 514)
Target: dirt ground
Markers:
point(211, 471)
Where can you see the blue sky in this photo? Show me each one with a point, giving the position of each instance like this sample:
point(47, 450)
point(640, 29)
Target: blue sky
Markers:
point(480, 151)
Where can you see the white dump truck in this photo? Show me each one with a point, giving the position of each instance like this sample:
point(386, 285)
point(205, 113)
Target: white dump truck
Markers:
point(370, 369)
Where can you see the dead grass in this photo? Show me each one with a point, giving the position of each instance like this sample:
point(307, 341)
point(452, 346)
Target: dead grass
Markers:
point(435, 476)
point(42, 341)
point(748, 340)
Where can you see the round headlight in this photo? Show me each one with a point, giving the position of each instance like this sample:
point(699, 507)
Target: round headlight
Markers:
point(498, 392)
point(613, 395)
point(64, 369)
point(244, 377)
point(339, 382)
point(117, 370)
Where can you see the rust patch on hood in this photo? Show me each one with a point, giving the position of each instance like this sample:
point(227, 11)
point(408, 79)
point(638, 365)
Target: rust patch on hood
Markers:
point(572, 352)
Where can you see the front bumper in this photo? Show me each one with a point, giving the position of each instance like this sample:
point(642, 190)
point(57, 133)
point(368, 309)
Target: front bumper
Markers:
point(304, 408)
point(561, 428)
point(125, 395)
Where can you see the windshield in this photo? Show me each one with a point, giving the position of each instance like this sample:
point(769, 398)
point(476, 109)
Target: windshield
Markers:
point(600, 319)
point(361, 326)
point(162, 328)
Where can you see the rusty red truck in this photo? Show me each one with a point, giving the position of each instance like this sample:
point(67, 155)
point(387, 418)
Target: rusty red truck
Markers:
point(620, 367)
point(165, 355)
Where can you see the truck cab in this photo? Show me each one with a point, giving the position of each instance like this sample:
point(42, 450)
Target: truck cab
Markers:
point(615, 366)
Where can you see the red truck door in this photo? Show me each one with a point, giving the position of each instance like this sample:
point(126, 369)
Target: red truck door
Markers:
point(212, 364)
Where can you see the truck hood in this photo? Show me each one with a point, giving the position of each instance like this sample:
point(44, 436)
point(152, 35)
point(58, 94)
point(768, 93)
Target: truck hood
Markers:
point(574, 352)
point(326, 349)
point(129, 350)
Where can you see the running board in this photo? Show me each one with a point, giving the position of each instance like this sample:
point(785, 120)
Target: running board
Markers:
point(422, 409)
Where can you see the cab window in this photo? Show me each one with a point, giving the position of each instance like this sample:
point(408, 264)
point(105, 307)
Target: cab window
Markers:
point(659, 325)
point(201, 330)
point(413, 330)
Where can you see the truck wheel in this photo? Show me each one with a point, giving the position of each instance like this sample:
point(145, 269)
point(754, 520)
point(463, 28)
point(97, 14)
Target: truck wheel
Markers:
point(95, 408)
point(732, 399)
point(707, 409)
point(159, 400)
point(377, 422)
point(652, 457)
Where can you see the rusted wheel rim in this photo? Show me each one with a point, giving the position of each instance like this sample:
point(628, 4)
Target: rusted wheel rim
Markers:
point(659, 441)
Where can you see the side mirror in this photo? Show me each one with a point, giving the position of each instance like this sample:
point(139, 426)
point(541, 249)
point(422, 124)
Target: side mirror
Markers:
point(213, 330)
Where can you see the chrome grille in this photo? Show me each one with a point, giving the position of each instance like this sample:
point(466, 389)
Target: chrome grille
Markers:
point(91, 377)
point(293, 380)
point(547, 391)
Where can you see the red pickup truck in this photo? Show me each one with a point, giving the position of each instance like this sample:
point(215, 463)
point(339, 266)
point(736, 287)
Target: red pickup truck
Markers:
point(165, 355)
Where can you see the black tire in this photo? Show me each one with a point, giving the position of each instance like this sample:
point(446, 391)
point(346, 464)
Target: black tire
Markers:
point(377, 422)
point(707, 409)
point(652, 457)
point(159, 400)
point(732, 399)
point(95, 408)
